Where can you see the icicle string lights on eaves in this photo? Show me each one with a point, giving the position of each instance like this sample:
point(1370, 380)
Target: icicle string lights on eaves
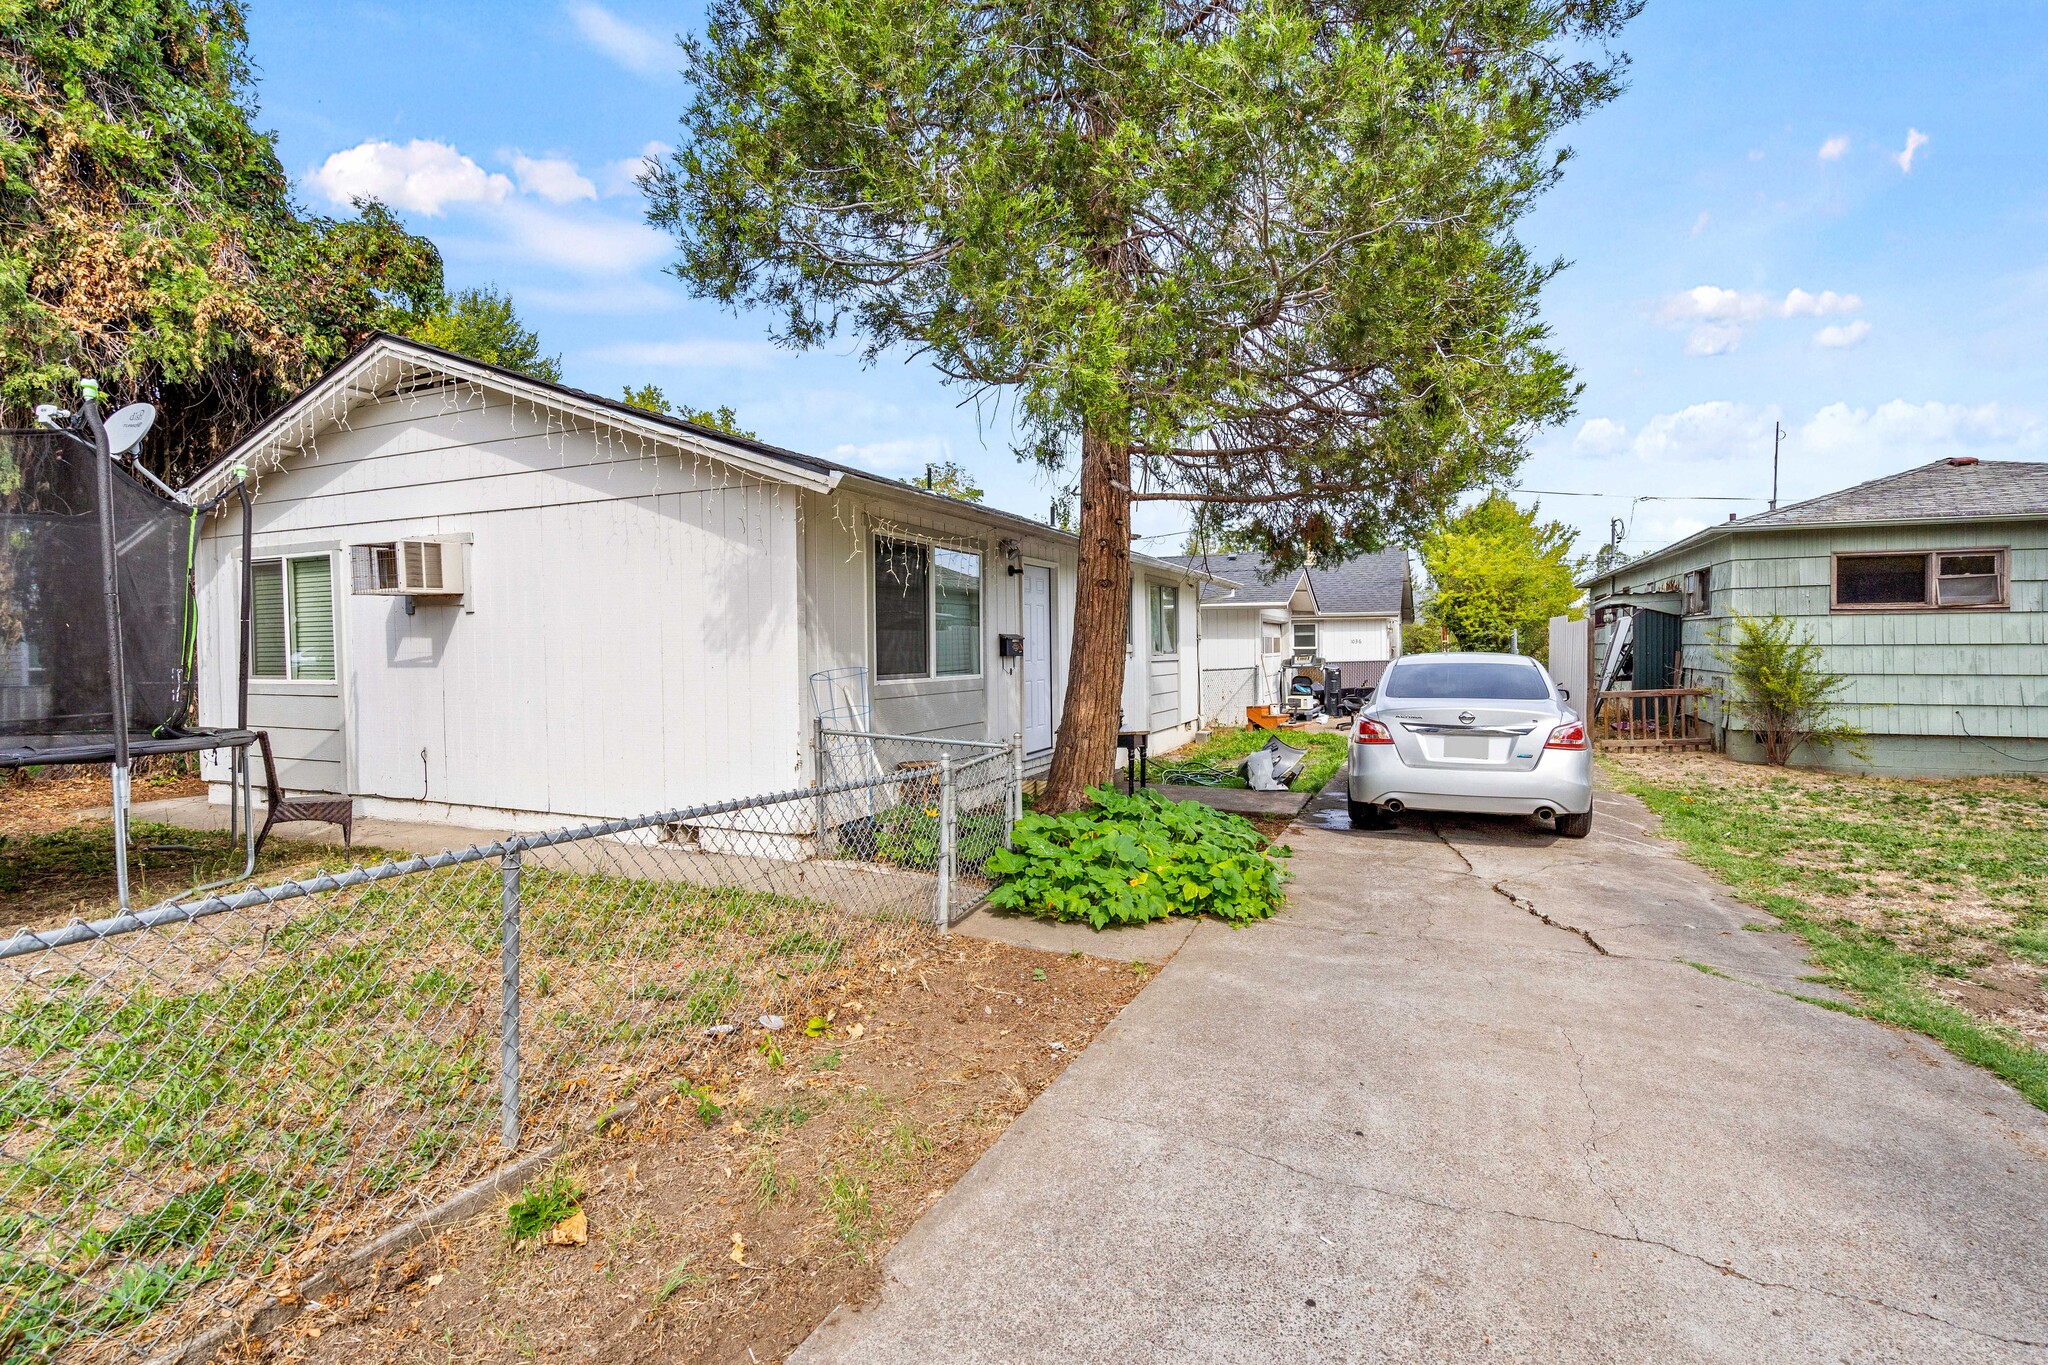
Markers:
point(425, 390)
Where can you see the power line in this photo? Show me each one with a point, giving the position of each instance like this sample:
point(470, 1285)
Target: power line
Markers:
point(1643, 497)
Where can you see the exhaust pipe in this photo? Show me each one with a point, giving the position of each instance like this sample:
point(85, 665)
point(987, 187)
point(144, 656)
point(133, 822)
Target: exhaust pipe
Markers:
point(1393, 807)
point(1545, 813)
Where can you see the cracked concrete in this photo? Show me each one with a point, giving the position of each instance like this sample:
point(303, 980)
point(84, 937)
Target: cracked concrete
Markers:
point(1400, 1122)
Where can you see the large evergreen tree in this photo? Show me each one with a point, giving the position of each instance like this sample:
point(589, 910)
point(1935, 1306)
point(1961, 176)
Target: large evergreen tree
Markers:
point(148, 236)
point(1254, 255)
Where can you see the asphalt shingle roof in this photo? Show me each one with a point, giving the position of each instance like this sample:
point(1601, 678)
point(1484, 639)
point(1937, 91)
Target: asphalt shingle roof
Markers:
point(1375, 584)
point(1939, 491)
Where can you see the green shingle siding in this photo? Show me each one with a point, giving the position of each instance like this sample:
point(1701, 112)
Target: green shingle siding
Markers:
point(1912, 674)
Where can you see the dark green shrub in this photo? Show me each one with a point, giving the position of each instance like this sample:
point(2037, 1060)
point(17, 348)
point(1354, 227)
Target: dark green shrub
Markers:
point(1128, 859)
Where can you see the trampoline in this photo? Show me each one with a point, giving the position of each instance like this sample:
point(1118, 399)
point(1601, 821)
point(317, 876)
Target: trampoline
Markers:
point(98, 634)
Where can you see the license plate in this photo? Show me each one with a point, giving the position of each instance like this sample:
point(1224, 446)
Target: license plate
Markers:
point(1467, 746)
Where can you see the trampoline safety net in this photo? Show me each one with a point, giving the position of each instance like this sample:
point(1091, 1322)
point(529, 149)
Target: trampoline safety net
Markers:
point(53, 621)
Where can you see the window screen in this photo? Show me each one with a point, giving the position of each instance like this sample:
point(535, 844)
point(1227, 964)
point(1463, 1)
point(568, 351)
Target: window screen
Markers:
point(902, 609)
point(1881, 581)
point(1459, 680)
point(266, 583)
point(956, 611)
point(1165, 618)
point(1970, 580)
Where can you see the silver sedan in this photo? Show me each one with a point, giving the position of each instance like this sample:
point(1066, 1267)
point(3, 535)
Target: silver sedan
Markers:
point(1487, 733)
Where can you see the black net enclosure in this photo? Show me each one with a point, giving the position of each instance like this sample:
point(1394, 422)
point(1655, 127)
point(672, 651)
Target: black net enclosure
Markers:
point(54, 676)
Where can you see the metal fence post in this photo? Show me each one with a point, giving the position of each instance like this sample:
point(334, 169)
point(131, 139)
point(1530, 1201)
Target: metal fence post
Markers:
point(1016, 786)
point(508, 1008)
point(945, 842)
point(820, 846)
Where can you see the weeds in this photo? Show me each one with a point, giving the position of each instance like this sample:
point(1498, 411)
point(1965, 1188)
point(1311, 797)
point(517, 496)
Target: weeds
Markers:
point(853, 1215)
point(542, 1207)
point(1869, 874)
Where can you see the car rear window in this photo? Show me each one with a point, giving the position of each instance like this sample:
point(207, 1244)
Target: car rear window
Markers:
point(1455, 679)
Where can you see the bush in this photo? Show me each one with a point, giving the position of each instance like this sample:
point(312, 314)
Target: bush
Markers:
point(1777, 687)
point(1129, 859)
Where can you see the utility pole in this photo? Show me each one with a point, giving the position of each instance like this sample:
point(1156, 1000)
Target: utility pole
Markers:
point(1777, 439)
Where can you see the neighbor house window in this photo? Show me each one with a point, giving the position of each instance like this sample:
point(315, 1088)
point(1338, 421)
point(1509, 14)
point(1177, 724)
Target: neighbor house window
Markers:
point(1698, 598)
point(927, 610)
point(1921, 580)
point(1304, 637)
point(1165, 618)
point(292, 609)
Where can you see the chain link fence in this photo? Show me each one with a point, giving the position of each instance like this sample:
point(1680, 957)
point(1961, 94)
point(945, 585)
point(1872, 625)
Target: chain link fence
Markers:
point(204, 1104)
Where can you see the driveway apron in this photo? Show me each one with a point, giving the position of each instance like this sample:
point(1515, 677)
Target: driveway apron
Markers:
point(1479, 1093)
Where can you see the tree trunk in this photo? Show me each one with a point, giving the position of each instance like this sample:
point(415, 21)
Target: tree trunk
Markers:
point(1085, 753)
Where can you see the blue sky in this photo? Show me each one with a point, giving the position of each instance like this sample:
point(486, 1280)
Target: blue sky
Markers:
point(1833, 216)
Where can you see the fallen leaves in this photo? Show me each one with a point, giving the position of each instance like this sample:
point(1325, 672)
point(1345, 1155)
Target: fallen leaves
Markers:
point(572, 1231)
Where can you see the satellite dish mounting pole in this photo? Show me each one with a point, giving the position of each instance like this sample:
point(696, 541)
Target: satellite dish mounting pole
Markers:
point(117, 661)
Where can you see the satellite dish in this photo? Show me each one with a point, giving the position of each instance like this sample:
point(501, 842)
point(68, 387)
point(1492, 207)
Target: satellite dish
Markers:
point(126, 428)
point(50, 415)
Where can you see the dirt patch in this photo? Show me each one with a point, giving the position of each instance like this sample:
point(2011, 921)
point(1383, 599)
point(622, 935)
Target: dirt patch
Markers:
point(726, 1218)
point(37, 805)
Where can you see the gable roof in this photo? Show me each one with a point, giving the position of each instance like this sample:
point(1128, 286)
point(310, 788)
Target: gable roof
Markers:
point(1953, 489)
point(1958, 489)
point(1249, 580)
point(385, 360)
point(1364, 585)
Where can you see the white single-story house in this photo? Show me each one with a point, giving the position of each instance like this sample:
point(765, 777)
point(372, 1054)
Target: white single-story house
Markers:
point(1256, 620)
point(485, 599)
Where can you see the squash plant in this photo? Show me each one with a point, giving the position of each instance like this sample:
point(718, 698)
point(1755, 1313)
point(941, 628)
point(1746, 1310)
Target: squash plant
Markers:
point(1129, 859)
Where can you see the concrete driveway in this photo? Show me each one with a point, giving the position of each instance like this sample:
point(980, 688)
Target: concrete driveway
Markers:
point(1410, 1119)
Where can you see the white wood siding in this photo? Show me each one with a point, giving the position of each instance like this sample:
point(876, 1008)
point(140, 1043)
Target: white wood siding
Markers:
point(1355, 639)
point(627, 642)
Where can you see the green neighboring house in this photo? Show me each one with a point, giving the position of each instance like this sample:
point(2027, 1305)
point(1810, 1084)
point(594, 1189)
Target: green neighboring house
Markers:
point(1927, 590)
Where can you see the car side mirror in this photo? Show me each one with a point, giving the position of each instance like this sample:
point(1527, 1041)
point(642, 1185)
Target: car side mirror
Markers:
point(1565, 692)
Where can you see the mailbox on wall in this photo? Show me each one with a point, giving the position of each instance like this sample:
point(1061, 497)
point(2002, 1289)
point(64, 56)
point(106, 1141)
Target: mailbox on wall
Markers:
point(1009, 646)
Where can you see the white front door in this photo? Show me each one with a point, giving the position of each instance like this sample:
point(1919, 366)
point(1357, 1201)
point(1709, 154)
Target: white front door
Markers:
point(1037, 658)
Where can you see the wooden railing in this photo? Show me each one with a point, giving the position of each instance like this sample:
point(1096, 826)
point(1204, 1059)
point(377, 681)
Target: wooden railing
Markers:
point(1655, 718)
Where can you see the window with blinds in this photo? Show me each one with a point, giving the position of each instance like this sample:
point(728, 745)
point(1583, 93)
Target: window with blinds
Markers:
point(292, 618)
point(927, 611)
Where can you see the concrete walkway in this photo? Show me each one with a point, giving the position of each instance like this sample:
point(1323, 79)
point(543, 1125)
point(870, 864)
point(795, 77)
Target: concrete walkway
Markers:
point(1410, 1120)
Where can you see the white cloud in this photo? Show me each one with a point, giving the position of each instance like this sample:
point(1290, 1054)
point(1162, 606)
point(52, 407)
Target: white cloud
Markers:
point(701, 352)
point(1600, 436)
point(631, 46)
point(581, 243)
point(553, 178)
point(622, 176)
point(1841, 337)
point(1835, 148)
point(1721, 318)
point(1915, 140)
point(1898, 434)
point(1717, 430)
point(1699, 224)
point(421, 176)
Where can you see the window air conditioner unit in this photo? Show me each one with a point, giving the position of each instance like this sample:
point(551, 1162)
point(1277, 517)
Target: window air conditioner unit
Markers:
point(408, 568)
point(429, 568)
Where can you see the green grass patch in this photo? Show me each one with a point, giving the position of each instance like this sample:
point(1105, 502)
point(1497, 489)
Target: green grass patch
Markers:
point(1225, 749)
point(542, 1207)
point(1129, 859)
point(1900, 855)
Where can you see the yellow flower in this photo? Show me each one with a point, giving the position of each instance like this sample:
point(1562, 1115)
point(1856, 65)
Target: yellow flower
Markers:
point(931, 812)
point(1139, 880)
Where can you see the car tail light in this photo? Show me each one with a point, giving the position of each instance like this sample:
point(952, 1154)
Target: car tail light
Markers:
point(1571, 735)
point(1371, 731)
